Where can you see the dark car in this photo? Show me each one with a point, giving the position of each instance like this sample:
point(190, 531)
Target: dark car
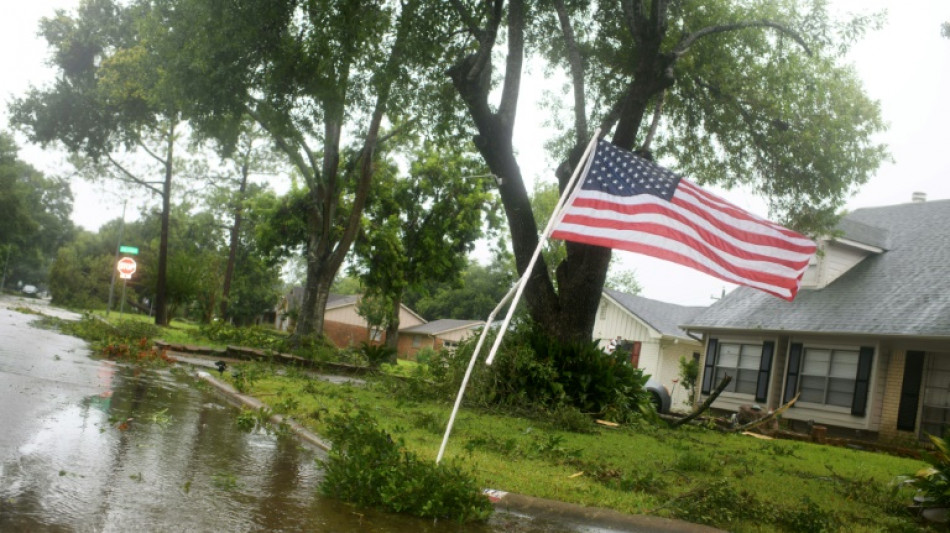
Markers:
point(659, 396)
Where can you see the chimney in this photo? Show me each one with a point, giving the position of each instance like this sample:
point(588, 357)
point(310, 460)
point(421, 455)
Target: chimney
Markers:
point(918, 197)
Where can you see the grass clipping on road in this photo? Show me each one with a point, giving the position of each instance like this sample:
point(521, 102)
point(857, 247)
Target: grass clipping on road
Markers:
point(692, 473)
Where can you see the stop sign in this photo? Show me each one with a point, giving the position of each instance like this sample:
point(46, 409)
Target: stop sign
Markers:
point(126, 267)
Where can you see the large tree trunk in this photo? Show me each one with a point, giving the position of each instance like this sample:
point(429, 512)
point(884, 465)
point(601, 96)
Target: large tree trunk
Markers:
point(569, 313)
point(161, 305)
point(392, 328)
point(316, 290)
point(235, 235)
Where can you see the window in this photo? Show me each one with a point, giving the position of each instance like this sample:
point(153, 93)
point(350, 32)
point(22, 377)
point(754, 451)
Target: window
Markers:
point(828, 376)
point(741, 361)
point(416, 341)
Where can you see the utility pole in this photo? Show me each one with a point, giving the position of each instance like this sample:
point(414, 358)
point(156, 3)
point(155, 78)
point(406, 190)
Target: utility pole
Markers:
point(6, 261)
point(115, 263)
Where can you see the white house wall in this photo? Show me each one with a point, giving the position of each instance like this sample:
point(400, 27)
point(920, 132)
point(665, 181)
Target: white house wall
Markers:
point(830, 415)
point(456, 335)
point(407, 319)
point(347, 315)
point(659, 357)
point(612, 321)
point(837, 260)
point(841, 416)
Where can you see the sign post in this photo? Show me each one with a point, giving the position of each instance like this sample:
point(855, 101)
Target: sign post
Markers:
point(126, 268)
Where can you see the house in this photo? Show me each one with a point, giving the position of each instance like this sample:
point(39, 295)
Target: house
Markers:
point(651, 334)
point(866, 343)
point(342, 324)
point(436, 335)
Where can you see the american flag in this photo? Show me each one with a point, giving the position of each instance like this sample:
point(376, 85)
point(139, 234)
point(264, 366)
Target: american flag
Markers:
point(630, 203)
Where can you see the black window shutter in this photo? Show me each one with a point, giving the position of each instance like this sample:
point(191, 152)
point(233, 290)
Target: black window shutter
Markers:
point(709, 369)
point(910, 391)
point(765, 371)
point(862, 382)
point(794, 367)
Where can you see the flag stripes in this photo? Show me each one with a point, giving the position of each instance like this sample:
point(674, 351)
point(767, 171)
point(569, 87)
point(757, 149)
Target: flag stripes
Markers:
point(692, 226)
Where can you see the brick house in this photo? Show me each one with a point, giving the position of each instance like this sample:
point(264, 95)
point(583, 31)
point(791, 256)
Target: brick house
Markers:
point(436, 335)
point(342, 324)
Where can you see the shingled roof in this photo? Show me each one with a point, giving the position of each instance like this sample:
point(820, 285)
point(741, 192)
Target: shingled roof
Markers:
point(443, 325)
point(903, 291)
point(661, 316)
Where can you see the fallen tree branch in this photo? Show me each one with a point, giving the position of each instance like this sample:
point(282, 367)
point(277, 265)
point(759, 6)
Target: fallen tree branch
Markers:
point(768, 417)
point(705, 406)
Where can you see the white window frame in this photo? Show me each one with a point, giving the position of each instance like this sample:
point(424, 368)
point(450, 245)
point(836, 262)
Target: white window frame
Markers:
point(836, 354)
point(734, 370)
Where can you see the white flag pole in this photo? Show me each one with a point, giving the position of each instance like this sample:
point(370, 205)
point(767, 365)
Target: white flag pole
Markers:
point(556, 215)
point(468, 371)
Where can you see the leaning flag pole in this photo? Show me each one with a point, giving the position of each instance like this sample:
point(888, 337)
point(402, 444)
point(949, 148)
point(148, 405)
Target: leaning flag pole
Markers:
point(468, 371)
point(516, 290)
point(582, 164)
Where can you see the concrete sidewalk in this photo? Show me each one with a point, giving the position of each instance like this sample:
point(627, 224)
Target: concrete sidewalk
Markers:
point(584, 518)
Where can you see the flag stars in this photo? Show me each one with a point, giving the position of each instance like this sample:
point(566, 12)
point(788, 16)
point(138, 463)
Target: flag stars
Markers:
point(621, 173)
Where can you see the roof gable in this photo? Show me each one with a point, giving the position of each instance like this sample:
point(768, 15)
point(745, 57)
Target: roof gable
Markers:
point(666, 318)
point(903, 291)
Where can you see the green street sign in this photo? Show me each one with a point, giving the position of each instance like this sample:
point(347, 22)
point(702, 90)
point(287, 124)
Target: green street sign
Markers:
point(128, 250)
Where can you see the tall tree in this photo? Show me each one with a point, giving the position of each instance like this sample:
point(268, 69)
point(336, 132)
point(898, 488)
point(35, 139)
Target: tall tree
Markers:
point(740, 92)
point(110, 104)
point(421, 227)
point(34, 217)
point(311, 73)
point(250, 155)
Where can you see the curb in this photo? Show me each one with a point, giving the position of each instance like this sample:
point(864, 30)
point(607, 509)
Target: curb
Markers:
point(506, 502)
point(242, 400)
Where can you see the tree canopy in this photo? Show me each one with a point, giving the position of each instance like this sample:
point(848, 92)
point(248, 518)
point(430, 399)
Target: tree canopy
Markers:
point(738, 93)
point(34, 217)
point(319, 77)
point(110, 99)
point(420, 227)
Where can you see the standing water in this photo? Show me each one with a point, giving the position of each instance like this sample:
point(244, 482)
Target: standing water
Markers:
point(91, 445)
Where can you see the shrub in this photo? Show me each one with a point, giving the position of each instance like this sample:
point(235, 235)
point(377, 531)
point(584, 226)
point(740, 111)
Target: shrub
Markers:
point(933, 482)
point(377, 354)
point(260, 337)
point(366, 467)
point(689, 376)
point(535, 371)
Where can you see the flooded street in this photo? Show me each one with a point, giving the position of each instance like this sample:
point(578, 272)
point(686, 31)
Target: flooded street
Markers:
point(90, 445)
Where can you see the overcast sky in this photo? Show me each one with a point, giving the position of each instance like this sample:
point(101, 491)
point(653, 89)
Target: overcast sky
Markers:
point(906, 66)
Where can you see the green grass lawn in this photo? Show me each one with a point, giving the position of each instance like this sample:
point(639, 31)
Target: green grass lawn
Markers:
point(735, 482)
point(731, 481)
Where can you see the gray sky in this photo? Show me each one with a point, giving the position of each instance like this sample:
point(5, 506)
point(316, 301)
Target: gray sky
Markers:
point(906, 66)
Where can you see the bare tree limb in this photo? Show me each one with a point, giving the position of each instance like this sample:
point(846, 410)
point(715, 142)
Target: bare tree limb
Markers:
point(508, 107)
point(657, 111)
point(469, 22)
point(769, 417)
point(132, 177)
point(148, 151)
point(632, 12)
point(691, 39)
point(577, 74)
point(285, 146)
point(705, 406)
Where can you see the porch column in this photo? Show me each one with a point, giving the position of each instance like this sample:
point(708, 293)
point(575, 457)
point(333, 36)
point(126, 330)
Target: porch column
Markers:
point(893, 381)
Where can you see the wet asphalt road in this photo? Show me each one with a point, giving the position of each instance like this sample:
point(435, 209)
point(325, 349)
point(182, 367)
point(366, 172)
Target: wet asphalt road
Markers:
point(87, 444)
